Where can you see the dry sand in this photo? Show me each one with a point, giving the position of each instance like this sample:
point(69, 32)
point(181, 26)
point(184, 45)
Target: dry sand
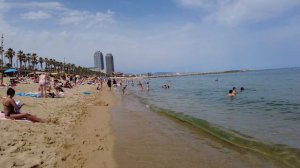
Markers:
point(79, 133)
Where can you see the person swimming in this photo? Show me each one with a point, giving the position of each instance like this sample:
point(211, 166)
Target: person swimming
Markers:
point(234, 90)
point(231, 93)
point(242, 89)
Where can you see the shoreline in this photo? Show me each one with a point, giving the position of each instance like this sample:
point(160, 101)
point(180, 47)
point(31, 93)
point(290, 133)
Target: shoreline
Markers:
point(90, 143)
point(106, 129)
point(148, 139)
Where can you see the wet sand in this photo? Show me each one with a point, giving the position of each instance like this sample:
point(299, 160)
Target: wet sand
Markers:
point(147, 139)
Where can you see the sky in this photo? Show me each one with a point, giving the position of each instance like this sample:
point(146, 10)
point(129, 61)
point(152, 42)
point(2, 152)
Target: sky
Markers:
point(157, 35)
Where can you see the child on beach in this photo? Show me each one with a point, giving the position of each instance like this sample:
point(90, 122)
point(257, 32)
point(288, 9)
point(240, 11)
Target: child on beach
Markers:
point(11, 109)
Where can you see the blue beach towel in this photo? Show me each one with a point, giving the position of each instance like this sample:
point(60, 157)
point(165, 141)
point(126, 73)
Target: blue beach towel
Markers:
point(86, 93)
point(37, 95)
point(21, 94)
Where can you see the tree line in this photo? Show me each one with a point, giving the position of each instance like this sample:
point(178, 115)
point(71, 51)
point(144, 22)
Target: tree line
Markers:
point(29, 62)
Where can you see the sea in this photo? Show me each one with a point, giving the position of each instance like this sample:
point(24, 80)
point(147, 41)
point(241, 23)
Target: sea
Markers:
point(264, 117)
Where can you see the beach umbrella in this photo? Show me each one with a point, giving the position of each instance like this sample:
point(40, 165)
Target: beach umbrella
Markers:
point(10, 70)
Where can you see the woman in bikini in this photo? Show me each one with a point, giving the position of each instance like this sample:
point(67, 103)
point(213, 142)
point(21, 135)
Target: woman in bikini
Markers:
point(43, 84)
point(10, 107)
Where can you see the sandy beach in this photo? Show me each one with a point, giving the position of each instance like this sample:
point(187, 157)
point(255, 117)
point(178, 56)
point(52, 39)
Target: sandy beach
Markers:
point(106, 129)
point(78, 135)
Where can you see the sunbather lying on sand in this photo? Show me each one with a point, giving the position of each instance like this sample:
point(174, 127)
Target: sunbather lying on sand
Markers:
point(10, 107)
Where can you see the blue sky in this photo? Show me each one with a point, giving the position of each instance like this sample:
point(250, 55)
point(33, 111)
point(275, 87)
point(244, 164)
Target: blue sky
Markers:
point(158, 35)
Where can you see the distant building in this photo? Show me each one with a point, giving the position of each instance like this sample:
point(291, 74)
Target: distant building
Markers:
point(109, 64)
point(98, 60)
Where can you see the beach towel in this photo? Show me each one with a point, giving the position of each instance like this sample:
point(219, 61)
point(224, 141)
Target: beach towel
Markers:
point(30, 94)
point(86, 93)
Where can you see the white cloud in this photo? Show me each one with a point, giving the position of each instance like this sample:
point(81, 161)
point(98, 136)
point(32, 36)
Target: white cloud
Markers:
point(242, 11)
point(59, 13)
point(38, 5)
point(87, 18)
point(203, 4)
point(36, 15)
point(235, 12)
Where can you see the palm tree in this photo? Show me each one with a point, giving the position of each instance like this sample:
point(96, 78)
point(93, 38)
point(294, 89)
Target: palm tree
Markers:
point(24, 60)
point(46, 60)
point(10, 53)
point(34, 60)
point(67, 68)
point(50, 63)
point(61, 66)
point(27, 59)
point(41, 61)
point(21, 56)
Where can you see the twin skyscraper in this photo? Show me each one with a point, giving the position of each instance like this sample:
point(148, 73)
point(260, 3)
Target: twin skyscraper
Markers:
point(99, 62)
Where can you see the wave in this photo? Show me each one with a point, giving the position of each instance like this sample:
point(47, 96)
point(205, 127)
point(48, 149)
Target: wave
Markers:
point(283, 153)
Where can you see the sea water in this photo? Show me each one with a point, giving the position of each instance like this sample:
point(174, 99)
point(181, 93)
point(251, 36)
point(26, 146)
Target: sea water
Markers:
point(268, 110)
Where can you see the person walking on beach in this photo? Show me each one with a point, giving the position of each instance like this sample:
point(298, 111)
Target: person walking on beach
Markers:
point(109, 83)
point(123, 89)
point(114, 83)
point(1, 79)
point(43, 84)
point(10, 109)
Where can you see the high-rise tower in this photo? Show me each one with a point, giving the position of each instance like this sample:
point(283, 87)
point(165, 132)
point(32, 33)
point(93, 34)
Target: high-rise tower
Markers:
point(98, 60)
point(109, 64)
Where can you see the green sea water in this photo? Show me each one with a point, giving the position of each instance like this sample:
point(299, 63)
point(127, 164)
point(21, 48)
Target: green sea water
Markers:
point(264, 118)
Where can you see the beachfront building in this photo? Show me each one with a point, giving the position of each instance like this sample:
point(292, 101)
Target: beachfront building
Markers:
point(109, 64)
point(98, 60)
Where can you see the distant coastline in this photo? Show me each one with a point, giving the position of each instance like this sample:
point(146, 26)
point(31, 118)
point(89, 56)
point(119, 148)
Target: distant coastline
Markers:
point(195, 73)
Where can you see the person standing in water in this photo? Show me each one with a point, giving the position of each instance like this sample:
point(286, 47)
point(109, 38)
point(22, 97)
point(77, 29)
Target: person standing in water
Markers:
point(141, 86)
point(123, 89)
point(148, 85)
